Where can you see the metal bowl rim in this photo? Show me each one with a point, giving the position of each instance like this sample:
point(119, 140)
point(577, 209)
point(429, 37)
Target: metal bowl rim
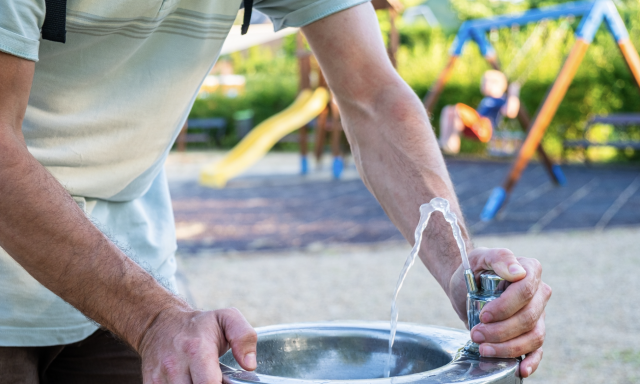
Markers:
point(452, 345)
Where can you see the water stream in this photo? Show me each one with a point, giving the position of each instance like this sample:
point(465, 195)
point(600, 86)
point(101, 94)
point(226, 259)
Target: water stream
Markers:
point(436, 204)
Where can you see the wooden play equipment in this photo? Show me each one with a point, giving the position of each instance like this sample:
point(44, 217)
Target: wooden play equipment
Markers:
point(593, 15)
point(308, 71)
point(310, 103)
point(262, 138)
point(328, 122)
point(313, 102)
point(395, 8)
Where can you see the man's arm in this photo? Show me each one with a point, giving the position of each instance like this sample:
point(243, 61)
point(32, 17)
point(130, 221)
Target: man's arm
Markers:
point(45, 231)
point(396, 153)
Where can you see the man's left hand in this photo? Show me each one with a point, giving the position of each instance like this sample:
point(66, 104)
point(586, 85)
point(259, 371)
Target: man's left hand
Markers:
point(512, 325)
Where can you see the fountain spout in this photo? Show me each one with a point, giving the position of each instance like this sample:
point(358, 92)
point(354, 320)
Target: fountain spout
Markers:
point(492, 287)
point(470, 280)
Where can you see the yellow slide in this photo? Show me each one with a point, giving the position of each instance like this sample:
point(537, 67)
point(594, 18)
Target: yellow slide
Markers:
point(257, 143)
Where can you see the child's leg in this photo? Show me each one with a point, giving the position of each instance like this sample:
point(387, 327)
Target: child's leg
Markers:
point(450, 128)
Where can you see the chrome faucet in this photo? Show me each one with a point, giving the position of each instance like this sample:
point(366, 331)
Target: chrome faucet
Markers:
point(491, 287)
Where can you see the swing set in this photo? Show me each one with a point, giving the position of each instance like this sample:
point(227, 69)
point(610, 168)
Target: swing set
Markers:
point(593, 15)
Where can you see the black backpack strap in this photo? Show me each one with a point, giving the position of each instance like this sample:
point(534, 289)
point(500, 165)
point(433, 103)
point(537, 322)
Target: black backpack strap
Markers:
point(55, 20)
point(248, 7)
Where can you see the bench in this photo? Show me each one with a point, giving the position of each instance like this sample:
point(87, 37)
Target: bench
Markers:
point(215, 125)
point(617, 120)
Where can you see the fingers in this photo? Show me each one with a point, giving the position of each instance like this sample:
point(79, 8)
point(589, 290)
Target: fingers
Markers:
point(204, 369)
point(170, 369)
point(517, 295)
point(193, 361)
point(184, 348)
point(522, 322)
point(513, 324)
point(519, 346)
point(500, 260)
point(241, 336)
point(173, 371)
point(530, 363)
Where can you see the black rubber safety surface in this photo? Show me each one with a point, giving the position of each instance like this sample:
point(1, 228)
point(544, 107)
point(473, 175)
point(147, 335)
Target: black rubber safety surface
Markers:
point(293, 212)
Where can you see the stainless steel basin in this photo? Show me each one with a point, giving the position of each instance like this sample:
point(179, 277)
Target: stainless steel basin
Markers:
point(340, 352)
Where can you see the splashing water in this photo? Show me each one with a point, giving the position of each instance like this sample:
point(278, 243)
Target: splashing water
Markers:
point(436, 204)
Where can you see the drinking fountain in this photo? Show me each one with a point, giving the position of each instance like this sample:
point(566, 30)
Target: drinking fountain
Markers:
point(356, 353)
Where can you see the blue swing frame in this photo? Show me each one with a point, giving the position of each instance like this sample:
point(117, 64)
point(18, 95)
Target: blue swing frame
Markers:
point(593, 14)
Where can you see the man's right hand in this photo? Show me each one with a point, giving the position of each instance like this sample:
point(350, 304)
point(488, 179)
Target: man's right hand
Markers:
point(182, 347)
point(47, 233)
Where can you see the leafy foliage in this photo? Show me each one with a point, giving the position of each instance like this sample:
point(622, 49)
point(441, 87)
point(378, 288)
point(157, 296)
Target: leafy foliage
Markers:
point(271, 85)
point(602, 85)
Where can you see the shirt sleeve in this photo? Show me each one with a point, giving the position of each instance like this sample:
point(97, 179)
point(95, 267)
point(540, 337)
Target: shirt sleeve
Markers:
point(298, 13)
point(20, 23)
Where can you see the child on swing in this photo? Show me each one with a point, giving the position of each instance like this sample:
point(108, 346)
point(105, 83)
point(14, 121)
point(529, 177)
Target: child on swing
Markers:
point(479, 123)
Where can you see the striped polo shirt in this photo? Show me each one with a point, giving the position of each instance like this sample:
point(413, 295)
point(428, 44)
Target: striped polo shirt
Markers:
point(104, 110)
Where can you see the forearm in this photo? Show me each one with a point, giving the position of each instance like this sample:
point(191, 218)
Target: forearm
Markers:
point(47, 233)
point(397, 155)
point(391, 139)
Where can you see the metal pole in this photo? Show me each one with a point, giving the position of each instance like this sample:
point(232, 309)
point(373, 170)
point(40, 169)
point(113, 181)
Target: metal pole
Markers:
point(394, 38)
point(525, 122)
point(538, 127)
point(631, 57)
point(304, 64)
point(336, 136)
point(434, 93)
point(547, 111)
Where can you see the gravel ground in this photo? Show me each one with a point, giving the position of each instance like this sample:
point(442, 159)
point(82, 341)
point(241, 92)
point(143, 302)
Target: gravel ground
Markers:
point(593, 332)
point(273, 207)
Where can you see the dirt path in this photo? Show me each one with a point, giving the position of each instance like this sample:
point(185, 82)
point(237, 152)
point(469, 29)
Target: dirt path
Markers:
point(592, 323)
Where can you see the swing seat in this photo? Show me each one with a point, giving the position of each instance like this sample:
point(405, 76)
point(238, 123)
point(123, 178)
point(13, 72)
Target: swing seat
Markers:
point(476, 126)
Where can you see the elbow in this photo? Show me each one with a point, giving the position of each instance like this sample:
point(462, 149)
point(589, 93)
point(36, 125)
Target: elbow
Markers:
point(12, 145)
point(389, 99)
point(368, 86)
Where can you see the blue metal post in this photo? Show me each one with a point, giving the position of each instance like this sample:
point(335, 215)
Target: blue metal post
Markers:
point(338, 166)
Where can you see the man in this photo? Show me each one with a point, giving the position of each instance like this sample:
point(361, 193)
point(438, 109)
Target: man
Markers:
point(94, 119)
point(479, 124)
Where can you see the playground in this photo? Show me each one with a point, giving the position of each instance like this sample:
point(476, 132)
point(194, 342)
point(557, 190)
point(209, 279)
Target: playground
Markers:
point(536, 111)
point(488, 124)
point(273, 207)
